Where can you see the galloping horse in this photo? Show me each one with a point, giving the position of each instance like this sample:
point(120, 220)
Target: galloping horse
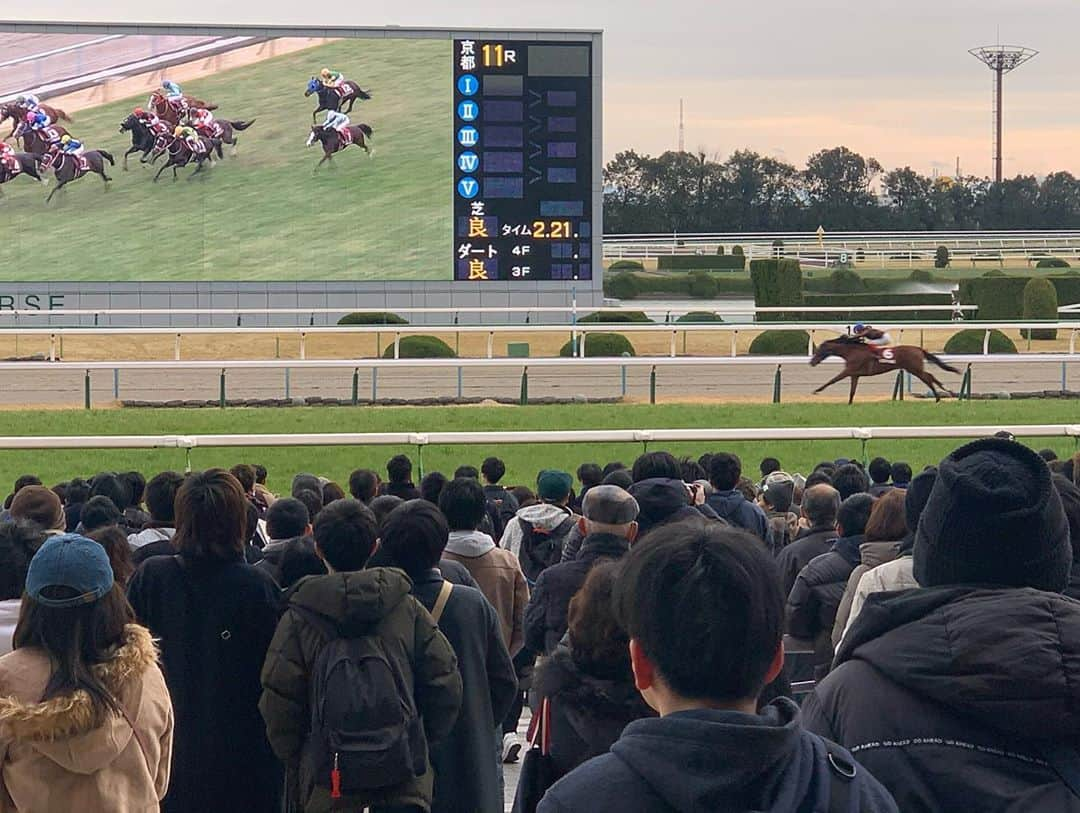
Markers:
point(181, 154)
point(860, 360)
point(16, 112)
point(160, 105)
point(36, 141)
point(68, 168)
point(335, 98)
point(142, 137)
point(223, 129)
point(333, 142)
point(25, 164)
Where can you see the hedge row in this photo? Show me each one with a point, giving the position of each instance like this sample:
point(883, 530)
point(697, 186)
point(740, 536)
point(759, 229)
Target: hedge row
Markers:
point(699, 284)
point(1002, 298)
point(601, 344)
point(705, 262)
point(777, 283)
point(780, 343)
point(862, 307)
point(420, 347)
point(372, 319)
point(970, 343)
point(616, 317)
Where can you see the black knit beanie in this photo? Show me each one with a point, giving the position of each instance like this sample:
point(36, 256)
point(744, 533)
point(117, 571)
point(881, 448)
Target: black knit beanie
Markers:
point(993, 517)
point(918, 492)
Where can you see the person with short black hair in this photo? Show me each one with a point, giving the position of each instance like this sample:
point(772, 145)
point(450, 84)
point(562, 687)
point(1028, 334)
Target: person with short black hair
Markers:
point(880, 471)
point(364, 485)
point(817, 478)
point(431, 486)
point(768, 466)
point(78, 492)
point(332, 492)
point(958, 695)
point(615, 465)
point(19, 541)
point(704, 614)
point(20, 483)
point(901, 474)
point(399, 479)
point(156, 538)
point(618, 477)
point(466, 773)
point(135, 518)
point(819, 508)
point(466, 471)
point(245, 474)
point(214, 615)
point(312, 501)
point(112, 486)
point(850, 480)
point(728, 501)
point(355, 603)
point(691, 471)
point(501, 504)
point(99, 512)
point(819, 587)
point(383, 506)
point(589, 475)
point(289, 527)
point(654, 465)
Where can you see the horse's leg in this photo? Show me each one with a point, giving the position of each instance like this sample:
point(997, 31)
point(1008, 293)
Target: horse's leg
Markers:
point(326, 157)
point(163, 167)
point(931, 382)
point(854, 386)
point(60, 185)
point(352, 101)
point(831, 381)
point(126, 154)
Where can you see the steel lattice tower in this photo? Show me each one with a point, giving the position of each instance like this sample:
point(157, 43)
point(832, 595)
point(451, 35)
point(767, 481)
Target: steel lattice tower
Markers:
point(1001, 59)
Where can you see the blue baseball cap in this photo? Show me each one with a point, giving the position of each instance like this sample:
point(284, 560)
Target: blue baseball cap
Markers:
point(73, 561)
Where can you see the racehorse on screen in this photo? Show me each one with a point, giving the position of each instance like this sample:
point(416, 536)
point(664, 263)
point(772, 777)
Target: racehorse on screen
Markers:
point(335, 98)
point(860, 360)
point(333, 141)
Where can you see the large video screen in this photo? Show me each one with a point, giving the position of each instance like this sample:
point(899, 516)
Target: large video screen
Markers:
point(293, 159)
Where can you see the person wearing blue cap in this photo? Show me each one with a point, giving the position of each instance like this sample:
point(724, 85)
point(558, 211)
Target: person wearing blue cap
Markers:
point(86, 721)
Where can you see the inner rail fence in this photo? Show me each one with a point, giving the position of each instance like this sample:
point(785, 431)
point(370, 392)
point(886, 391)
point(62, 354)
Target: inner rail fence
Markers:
point(577, 333)
point(421, 440)
point(518, 367)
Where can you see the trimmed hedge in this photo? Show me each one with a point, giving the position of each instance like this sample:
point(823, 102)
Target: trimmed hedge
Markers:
point(780, 343)
point(862, 307)
point(372, 319)
point(615, 317)
point(602, 344)
point(777, 283)
point(737, 251)
point(1040, 302)
point(704, 262)
point(846, 281)
point(703, 285)
point(720, 250)
point(421, 347)
point(626, 265)
point(699, 317)
point(942, 257)
point(970, 343)
point(1002, 298)
point(921, 275)
point(621, 286)
point(1052, 262)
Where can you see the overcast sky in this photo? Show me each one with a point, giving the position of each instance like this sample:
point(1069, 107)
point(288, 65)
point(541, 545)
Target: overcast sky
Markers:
point(888, 78)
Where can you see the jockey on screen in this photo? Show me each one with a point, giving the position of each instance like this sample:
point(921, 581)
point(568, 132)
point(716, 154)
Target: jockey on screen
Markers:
point(7, 156)
point(172, 90)
point(37, 120)
point(877, 339)
point(147, 117)
point(332, 79)
point(28, 101)
point(336, 120)
point(189, 135)
point(200, 117)
point(71, 146)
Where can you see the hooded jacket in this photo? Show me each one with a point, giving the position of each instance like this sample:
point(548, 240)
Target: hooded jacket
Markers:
point(546, 617)
point(816, 594)
point(661, 500)
point(56, 760)
point(871, 555)
point(885, 578)
point(739, 511)
point(588, 712)
point(712, 760)
point(545, 516)
point(952, 695)
point(499, 577)
point(367, 602)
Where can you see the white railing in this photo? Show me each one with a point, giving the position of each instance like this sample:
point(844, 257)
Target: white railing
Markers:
point(577, 331)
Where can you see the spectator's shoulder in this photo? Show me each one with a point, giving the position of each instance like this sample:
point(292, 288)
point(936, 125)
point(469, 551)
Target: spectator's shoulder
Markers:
point(584, 788)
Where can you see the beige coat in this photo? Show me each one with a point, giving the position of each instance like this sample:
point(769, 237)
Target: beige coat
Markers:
point(53, 758)
point(873, 554)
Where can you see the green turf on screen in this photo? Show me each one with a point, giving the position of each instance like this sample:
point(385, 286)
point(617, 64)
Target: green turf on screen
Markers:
point(262, 215)
point(522, 461)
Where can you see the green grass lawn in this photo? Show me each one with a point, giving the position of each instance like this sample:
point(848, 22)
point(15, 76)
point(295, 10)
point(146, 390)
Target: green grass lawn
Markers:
point(522, 461)
point(262, 215)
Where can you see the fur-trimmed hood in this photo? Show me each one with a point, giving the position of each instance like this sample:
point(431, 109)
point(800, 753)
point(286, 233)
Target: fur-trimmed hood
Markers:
point(63, 729)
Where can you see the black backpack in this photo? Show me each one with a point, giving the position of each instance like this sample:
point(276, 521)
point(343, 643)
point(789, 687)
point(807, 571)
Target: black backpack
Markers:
point(542, 548)
point(366, 732)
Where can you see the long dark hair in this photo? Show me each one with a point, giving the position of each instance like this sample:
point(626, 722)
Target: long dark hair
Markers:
point(116, 545)
point(76, 639)
point(211, 517)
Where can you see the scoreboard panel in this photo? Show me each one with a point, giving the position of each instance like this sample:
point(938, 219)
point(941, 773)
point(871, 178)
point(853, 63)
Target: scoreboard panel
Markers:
point(523, 160)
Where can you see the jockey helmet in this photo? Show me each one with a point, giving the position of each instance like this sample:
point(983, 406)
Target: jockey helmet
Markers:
point(31, 117)
point(859, 328)
point(138, 111)
point(325, 73)
point(179, 129)
point(65, 138)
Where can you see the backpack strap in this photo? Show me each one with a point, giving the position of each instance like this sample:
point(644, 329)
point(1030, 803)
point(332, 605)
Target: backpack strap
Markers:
point(440, 602)
point(1065, 760)
point(842, 771)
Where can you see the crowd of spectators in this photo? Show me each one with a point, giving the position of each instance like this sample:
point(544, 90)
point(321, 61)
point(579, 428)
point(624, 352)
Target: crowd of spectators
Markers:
point(680, 636)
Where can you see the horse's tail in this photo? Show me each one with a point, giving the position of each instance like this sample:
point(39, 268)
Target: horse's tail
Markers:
point(62, 115)
point(937, 360)
point(366, 130)
point(208, 106)
point(107, 156)
point(362, 94)
point(241, 125)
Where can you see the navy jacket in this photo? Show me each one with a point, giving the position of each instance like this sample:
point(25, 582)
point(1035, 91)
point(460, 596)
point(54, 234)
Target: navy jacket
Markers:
point(708, 760)
point(739, 511)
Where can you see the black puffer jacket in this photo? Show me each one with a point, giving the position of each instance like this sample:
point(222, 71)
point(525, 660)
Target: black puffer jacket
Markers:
point(808, 544)
point(588, 713)
point(951, 696)
point(811, 606)
point(661, 500)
